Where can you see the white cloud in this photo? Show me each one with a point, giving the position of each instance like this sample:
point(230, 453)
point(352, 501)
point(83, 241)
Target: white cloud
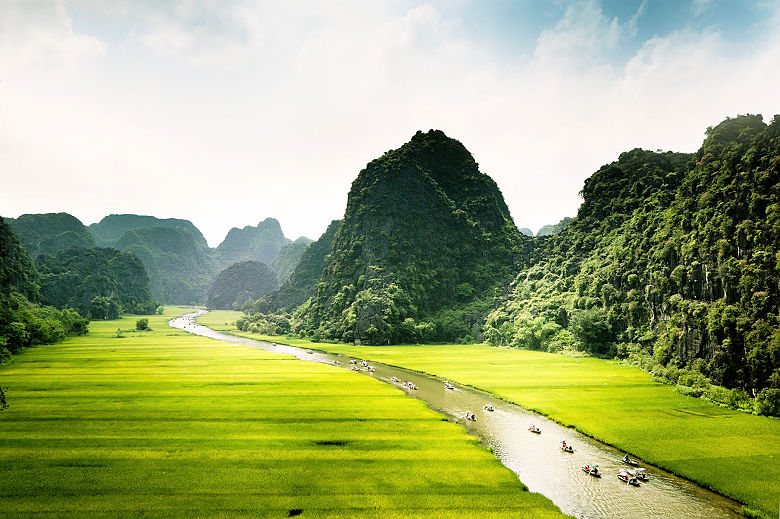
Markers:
point(229, 113)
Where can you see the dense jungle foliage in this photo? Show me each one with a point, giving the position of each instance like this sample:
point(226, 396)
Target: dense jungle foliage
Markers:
point(50, 233)
point(24, 322)
point(671, 262)
point(425, 243)
point(239, 283)
point(84, 278)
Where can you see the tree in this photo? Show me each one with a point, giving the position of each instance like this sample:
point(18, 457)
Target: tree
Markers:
point(142, 324)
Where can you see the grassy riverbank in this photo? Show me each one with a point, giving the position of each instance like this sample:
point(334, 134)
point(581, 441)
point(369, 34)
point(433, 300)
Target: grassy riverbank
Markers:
point(165, 423)
point(732, 452)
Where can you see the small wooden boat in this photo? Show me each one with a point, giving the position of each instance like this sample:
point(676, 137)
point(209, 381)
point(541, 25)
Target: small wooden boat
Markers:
point(447, 385)
point(641, 474)
point(627, 477)
point(535, 429)
point(629, 461)
point(566, 448)
point(593, 470)
point(488, 407)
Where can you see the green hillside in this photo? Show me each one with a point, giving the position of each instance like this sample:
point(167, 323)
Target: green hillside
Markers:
point(239, 283)
point(672, 262)
point(49, 233)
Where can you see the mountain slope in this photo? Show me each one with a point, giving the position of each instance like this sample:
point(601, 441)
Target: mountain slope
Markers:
point(179, 268)
point(672, 261)
point(260, 243)
point(239, 283)
point(288, 258)
point(50, 232)
point(424, 232)
point(74, 277)
point(112, 227)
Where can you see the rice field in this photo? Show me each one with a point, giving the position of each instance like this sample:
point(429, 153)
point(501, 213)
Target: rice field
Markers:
point(734, 453)
point(167, 424)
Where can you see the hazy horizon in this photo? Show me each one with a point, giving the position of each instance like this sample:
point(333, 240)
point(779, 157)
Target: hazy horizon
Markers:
point(229, 113)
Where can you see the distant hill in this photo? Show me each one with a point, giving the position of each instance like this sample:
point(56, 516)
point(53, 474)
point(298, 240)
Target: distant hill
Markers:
point(49, 233)
point(526, 232)
point(288, 258)
point(74, 277)
point(303, 281)
point(239, 283)
point(180, 268)
point(553, 229)
point(112, 227)
point(426, 241)
point(262, 242)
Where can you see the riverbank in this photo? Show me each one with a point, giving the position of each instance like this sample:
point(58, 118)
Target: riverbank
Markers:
point(165, 423)
point(728, 451)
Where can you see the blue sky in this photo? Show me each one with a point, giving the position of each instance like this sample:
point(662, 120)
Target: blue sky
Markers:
point(228, 112)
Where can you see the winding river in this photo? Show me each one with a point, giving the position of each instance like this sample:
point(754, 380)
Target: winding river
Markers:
point(536, 458)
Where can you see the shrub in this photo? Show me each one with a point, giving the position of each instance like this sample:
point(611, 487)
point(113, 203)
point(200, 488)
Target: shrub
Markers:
point(142, 324)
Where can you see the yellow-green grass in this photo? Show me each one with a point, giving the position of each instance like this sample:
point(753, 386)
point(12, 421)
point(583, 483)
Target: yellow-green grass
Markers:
point(165, 423)
point(734, 453)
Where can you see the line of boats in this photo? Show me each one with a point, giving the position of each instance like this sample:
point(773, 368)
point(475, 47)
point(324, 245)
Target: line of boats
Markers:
point(627, 476)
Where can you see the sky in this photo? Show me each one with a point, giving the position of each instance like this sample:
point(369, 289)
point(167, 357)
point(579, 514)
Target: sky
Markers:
point(229, 112)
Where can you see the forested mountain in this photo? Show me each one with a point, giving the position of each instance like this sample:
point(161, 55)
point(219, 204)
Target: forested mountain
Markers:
point(553, 229)
point(111, 228)
point(180, 269)
point(76, 277)
point(50, 232)
point(22, 321)
point(525, 231)
point(288, 258)
point(672, 261)
point(425, 242)
point(239, 283)
point(262, 242)
point(303, 281)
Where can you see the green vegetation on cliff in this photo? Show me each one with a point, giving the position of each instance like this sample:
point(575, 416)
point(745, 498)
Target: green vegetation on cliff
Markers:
point(75, 277)
point(50, 233)
point(180, 269)
point(262, 242)
point(23, 322)
point(239, 283)
point(671, 262)
point(288, 258)
point(112, 227)
point(425, 243)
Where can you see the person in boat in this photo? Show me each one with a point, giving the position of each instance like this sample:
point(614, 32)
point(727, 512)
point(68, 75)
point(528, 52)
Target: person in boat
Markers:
point(563, 444)
point(626, 458)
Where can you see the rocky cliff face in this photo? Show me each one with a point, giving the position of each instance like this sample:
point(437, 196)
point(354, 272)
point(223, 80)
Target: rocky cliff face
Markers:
point(424, 231)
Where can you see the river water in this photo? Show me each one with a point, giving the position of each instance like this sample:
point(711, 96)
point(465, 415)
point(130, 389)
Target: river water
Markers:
point(537, 459)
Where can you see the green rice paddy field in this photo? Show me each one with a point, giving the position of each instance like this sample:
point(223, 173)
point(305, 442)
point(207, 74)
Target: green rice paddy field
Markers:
point(165, 423)
point(735, 453)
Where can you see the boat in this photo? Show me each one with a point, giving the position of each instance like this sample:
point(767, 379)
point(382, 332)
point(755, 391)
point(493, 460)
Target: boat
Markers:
point(566, 448)
point(641, 474)
point(627, 477)
point(309, 352)
point(394, 378)
point(488, 407)
point(470, 416)
point(535, 429)
point(629, 461)
point(593, 470)
point(447, 385)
